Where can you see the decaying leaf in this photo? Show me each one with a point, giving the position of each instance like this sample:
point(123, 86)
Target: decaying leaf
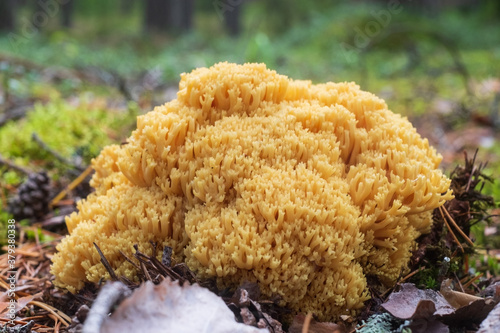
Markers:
point(474, 312)
point(168, 307)
point(492, 322)
point(427, 326)
point(19, 304)
point(411, 303)
point(456, 299)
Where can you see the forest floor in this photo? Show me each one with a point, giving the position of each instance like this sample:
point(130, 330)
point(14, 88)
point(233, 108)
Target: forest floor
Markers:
point(56, 118)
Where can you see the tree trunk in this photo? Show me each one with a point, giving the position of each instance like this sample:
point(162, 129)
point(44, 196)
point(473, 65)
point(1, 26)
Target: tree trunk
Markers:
point(168, 15)
point(7, 15)
point(67, 14)
point(187, 10)
point(232, 19)
point(156, 15)
point(126, 6)
point(180, 14)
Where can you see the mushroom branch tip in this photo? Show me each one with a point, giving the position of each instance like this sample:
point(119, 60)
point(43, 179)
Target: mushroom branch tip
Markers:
point(248, 175)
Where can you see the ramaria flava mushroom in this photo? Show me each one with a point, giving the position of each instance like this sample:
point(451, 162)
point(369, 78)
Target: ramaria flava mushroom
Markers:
point(249, 175)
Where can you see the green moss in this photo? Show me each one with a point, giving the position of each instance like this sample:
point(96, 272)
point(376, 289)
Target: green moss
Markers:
point(493, 169)
point(80, 129)
point(4, 218)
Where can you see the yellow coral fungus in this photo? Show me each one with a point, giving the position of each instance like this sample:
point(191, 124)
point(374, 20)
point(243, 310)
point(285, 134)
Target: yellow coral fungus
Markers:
point(249, 175)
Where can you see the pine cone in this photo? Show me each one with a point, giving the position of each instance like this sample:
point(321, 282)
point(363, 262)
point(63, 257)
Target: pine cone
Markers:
point(32, 199)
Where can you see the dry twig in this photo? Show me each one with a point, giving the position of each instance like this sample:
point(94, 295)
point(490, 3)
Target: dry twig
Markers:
point(307, 321)
point(14, 166)
point(32, 277)
point(54, 153)
point(71, 186)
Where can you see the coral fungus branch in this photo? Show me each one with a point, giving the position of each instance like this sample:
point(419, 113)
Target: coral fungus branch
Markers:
point(305, 189)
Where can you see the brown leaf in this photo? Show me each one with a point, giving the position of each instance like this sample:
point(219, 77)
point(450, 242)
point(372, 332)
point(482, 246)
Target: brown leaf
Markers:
point(456, 299)
point(427, 326)
point(18, 305)
point(413, 303)
point(492, 322)
point(474, 312)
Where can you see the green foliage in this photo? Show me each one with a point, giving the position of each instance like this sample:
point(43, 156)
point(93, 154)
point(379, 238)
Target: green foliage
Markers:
point(77, 128)
point(10, 177)
point(432, 274)
point(315, 38)
point(4, 217)
point(493, 169)
point(493, 265)
point(33, 233)
point(94, 8)
point(485, 262)
point(81, 128)
point(431, 283)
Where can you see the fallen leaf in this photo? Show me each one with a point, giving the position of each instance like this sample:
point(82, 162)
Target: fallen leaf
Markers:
point(474, 312)
point(168, 307)
point(19, 304)
point(492, 321)
point(413, 303)
point(456, 299)
point(427, 326)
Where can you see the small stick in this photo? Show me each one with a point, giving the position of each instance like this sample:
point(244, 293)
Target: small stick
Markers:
point(473, 171)
point(71, 186)
point(451, 231)
point(129, 260)
point(404, 279)
point(108, 296)
point(462, 280)
point(145, 271)
point(412, 273)
point(356, 328)
point(64, 318)
point(54, 153)
point(106, 264)
point(12, 165)
point(57, 326)
point(3, 197)
point(307, 322)
point(459, 283)
point(457, 227)
point(471, 281)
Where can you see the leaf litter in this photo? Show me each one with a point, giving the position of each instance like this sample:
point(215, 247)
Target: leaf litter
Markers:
point(421, 310)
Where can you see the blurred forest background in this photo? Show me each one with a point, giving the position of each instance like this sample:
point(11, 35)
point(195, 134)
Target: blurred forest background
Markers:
point(74, 74)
